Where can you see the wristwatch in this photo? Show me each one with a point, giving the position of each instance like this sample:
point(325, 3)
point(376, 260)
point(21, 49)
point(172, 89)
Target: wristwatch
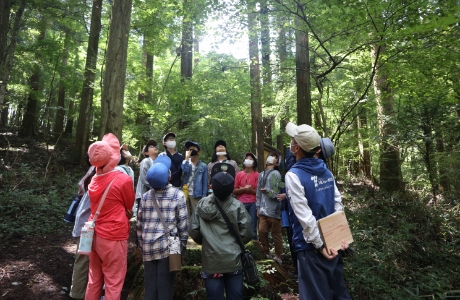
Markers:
point(320, 249)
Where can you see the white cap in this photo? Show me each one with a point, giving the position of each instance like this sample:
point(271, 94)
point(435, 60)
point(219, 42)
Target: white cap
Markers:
point(305, 135)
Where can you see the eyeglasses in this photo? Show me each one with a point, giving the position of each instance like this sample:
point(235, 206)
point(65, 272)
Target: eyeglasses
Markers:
point(152, 146)
point(291, 144)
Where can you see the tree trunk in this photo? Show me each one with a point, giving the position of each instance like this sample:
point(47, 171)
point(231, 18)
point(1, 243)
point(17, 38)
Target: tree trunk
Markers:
point(5, 7)
point(363, 143)
point(86, 102)
point(186, 61)
point(390, 169)
point(60, 112)
point(146, 95)
point(113, 92)
point(256, 105)
point(29, 121)
point(303, 75)
point(69, 124)
point(7, 58)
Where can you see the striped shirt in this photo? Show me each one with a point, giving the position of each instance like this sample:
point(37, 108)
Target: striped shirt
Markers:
point(150, 231)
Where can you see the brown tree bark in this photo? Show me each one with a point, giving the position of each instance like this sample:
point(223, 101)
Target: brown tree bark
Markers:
point(7, 56)
point(86, 102)
point(254, 68)
point(186, 60)
point(113, 91)
point(29, 120)
point(390, 168)
point(60, 112)
point(303, 75)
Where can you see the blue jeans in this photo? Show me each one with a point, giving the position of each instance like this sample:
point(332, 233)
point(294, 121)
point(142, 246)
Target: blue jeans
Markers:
point(233, 285)
point(252, 210)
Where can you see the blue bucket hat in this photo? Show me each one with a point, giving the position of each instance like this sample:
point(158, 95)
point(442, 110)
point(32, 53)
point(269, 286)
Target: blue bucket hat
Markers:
point(158, 174)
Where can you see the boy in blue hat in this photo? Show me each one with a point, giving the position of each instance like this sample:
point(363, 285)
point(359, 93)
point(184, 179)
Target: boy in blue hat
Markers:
point(153, 237)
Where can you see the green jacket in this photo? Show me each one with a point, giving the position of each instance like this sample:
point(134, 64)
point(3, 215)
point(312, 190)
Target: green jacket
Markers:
point(220, 251)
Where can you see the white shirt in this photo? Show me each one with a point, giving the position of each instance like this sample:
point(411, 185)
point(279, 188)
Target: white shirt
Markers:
point(299, 203)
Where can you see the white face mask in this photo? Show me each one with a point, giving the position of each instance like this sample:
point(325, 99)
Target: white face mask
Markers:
point(248, 163)
point(221, 153)
point(271, 160)
point(171, 144)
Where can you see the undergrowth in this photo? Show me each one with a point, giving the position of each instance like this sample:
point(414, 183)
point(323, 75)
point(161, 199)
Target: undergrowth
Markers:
point(32, 199)
point(406, 248)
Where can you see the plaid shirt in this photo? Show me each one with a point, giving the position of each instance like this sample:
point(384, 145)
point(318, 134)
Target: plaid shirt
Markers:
point(150, 231)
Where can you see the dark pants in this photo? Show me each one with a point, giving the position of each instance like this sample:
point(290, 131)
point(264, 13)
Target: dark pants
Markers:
point(320, 278)
point(233, 285)
point(158, 281)
point(252, 210)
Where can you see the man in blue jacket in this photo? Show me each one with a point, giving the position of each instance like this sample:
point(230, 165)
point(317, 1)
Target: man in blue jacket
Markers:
point(312, 194)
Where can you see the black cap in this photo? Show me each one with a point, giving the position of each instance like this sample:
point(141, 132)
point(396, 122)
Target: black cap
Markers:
point(189, 143)
point(220, 142)
point(151, 143)
point(169, 134)
point(222, 185)
point(222, 167)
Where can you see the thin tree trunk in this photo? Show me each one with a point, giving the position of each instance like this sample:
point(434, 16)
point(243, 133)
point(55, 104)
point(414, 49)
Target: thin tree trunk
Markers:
point(390, 169)
point(29, 121)
point(113, 92)
point(7, 57)
point(145, 96)
point(256, 105)
point(60, 112)
point(186, 60)
point(86, 102)
point(363, 143)
point(303, 75)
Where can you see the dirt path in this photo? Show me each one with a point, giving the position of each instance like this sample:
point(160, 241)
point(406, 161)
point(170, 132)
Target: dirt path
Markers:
point(40, 267)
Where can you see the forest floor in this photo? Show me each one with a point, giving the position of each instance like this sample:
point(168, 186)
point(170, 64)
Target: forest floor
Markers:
point(37, 250)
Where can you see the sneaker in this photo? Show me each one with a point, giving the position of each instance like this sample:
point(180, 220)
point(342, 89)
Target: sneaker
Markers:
point(278, 260)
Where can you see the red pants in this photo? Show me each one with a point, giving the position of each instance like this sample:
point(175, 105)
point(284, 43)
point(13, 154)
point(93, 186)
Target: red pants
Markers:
point(107, 264)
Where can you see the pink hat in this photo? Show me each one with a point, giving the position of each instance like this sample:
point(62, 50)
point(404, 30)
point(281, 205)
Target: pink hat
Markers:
point(105, 154)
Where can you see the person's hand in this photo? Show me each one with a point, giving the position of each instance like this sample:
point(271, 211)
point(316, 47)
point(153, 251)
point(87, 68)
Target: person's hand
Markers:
point(187, 154)
point(281, 197)
point(333, 254)
point(344, 245)
point(257, 212)
point(263, 190)
point(129, 213)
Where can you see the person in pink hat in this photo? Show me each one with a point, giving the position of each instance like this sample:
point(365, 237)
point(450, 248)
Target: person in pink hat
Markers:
point(110, 243)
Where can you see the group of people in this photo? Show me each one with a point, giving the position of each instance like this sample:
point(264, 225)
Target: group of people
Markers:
point(178, 196)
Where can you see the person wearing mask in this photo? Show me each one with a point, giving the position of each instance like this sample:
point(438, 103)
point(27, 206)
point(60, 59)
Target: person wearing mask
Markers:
point(312, 194)
point(195, 175)
point(220, 155)
point(108, 258)
point(125, 159)
point(169, 142)
point(269, 206)
point(246, 187)
point(222, 268)
point(150, 154)
point(153, 237)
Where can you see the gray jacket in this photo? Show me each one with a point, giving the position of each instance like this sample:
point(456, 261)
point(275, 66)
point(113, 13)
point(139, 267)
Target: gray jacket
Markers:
point(220, 251)
point(143, 185)
point(268, 206)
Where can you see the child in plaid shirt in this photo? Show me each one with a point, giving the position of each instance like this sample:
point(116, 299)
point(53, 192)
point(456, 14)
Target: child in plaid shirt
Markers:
point(158, 281)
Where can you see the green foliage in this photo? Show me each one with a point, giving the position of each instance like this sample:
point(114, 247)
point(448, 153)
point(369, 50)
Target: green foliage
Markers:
point(405, 249)
point(276, 183)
